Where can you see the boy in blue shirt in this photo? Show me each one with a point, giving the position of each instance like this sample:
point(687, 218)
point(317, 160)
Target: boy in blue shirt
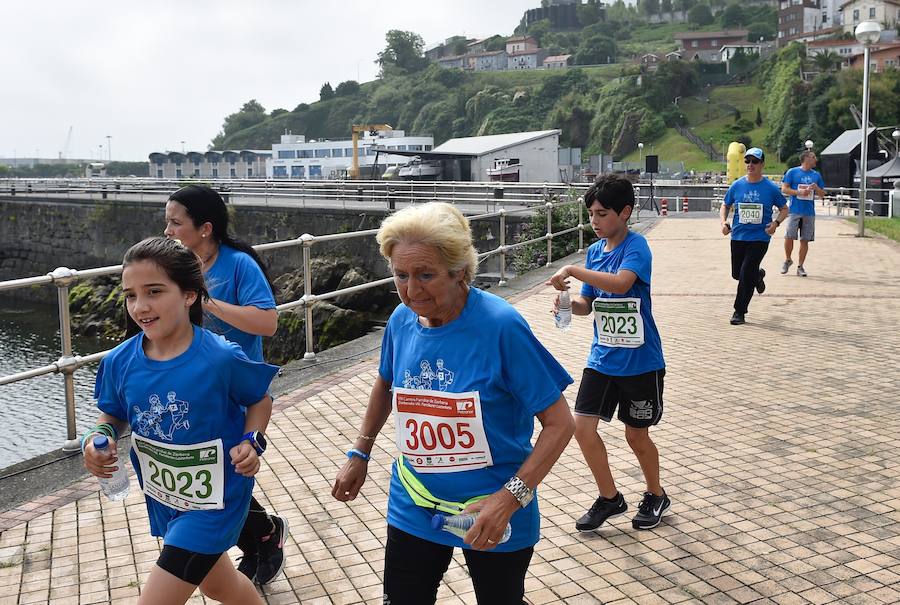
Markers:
point(625, 367)
point(752, 196)
point(802, 183)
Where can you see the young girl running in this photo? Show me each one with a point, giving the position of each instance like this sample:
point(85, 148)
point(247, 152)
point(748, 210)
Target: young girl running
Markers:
point(196, 454)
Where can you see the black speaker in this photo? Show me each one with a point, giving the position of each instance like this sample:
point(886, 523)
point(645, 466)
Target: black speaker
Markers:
point(651, 163)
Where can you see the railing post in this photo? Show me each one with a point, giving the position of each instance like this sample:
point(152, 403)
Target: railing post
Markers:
point(62, 277)
point(502, 281)
point(308, 240)
point(549, 232)
point(580, 226)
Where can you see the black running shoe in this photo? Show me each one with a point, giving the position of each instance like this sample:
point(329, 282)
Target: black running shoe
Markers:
point(650, 511)
point(601, 510)
point(760, 284)
point(737, 319)
point(271, 552)
point(248, 565)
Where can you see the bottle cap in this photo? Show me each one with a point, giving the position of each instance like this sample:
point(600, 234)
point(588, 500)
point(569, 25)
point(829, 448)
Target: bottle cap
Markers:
point(437, 521)
point(101, 442)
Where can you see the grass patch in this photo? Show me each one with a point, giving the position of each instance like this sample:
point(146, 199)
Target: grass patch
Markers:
point(887, 226)
point(674, 147)
point(533, 77)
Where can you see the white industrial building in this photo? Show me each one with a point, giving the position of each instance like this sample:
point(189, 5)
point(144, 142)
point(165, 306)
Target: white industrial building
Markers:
point(296, 158)
point(536, 153)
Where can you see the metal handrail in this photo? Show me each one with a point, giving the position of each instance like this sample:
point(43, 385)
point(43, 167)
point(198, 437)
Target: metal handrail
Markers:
point(63, 277)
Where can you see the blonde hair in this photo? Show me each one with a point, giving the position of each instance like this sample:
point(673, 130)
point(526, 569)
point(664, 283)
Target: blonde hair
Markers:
point(434, 224)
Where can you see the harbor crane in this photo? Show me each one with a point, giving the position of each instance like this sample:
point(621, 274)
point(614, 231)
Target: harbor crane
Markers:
point(356, 130)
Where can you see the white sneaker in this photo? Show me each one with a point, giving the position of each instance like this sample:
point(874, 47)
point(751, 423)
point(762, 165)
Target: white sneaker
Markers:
point(801, 271)
point(787, 265)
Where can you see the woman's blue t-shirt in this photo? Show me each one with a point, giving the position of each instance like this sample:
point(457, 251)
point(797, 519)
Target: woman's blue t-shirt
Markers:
point(490, 349)
point(758, 199)
point(236, 278)
point(634, 255)
point(193, 398)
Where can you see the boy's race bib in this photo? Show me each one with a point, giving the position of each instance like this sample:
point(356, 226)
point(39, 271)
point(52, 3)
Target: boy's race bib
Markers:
point(619, 322)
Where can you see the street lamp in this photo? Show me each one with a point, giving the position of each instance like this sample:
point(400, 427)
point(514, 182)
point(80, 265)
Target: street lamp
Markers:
point(896, 136)
point(182, 147)
point(640, 155)
point(808, 144)
point(109, 147)
point(867, 33)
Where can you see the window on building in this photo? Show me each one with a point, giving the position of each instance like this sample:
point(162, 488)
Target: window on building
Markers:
point(336, 153)
point(286, 154)
point(714, 42)
point(348, 153)
point(415, 148)
point(401, 147)
point(323, 153)
point(196, 172)
point(856, 14)
point(315, 172)
point(428, 147)
point(305, 153)
point(159, 174)
point(215, 173)
point(694, 44)
point(178, 173)
point(232, 172)
point(249, 171)
point(871, 16)
point(298, 172)
point(279, 172)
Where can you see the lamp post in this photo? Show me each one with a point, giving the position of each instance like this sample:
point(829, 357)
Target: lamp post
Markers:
point(867, 33)
point(109, 147)
point(640, 155)
point(896, 137)
point(182, 147)
point(808, 144)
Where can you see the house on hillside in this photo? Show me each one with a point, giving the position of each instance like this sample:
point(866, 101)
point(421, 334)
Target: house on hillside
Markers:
point(843, 48)
point(516, 44)
point(490, 61)
point(557, 61)
point(728, 51)
point(706, 46)
point(526, 59)
point(886, 56)
point(805, 37)
point(797, 17)
point(651, 61)
point(886, 12)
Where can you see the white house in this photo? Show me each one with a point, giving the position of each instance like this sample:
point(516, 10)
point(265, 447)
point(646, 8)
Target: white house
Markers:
point(886, 12)
point(296, 158)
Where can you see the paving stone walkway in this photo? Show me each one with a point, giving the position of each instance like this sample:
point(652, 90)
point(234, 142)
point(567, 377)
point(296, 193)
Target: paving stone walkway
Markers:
point(778, 448)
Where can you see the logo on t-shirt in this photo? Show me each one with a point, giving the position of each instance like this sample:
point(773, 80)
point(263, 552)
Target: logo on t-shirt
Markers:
point(161, 420)
point(428, 378)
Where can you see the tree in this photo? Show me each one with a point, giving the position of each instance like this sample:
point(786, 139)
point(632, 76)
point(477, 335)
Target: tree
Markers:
point(403, 53)
point(758, 117)
point(666, 7)
point(827, 60)
point(539, 28)
point(326, 92)
point(700, 15)
point(684, 6)
point(762, 30)
point(733, 15)
point(276, 112)
point(651, 7)
point(346, 88)
point(251, 114)
point(495, 43)
point(595, 50)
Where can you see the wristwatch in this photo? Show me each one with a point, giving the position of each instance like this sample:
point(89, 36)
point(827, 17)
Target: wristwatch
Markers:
point(520, 491)
point(257, 440)
point(777, 223)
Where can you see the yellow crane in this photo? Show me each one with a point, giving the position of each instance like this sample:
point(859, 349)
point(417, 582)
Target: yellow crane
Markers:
point(356, 129)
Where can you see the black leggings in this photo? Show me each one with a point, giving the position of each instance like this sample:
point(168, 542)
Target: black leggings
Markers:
point(745, 260)
point(413, 569)
point(256, 527)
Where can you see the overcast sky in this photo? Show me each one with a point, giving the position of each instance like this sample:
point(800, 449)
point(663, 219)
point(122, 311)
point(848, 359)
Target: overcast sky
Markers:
point(152, 75)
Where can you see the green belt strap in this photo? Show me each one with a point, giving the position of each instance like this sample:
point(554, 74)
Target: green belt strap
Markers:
point(422, 497)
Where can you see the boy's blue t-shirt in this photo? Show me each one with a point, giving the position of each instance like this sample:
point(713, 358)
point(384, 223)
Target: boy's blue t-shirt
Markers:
point(634, 255)
point(794, 178)
point(488, 349)
point(235, 278)
point(191, 399)
point(754, 208)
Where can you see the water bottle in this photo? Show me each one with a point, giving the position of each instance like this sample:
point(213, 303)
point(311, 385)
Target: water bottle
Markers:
point(564, 312)
point(459, 525)
point(116, 487)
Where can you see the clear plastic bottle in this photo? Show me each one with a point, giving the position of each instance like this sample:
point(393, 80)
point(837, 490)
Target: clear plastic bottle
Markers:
point(116, 487)
point(564, 312)
point(459, 525)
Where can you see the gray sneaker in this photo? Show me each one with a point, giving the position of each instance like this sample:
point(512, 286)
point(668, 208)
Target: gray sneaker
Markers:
point(787, 265)
point(801, 271)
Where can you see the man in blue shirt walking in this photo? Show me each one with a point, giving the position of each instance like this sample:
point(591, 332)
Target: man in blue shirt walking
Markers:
point(802, 183)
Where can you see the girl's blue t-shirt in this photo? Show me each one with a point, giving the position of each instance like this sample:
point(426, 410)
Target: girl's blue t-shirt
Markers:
point(634, 255)
point(761, 196)
point(193, 398)
point(490, 349)
point(236, 278)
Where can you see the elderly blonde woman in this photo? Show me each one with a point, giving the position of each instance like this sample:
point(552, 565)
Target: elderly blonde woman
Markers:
point(465, 377)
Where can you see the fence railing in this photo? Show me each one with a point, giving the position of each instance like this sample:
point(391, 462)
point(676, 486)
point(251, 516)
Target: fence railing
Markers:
point(63, 277)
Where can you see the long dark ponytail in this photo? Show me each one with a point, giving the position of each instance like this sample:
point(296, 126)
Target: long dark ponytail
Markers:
point(205, 205)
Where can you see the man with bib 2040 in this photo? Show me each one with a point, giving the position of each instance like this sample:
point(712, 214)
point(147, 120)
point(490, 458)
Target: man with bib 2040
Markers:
point(465, 442)
point(752, 198)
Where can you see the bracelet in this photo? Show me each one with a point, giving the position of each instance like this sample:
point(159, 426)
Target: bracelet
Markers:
point(358, 453)
point(365, 437)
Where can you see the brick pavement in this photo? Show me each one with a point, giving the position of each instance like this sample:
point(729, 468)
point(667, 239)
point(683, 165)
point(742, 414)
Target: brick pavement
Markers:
point(778, 450)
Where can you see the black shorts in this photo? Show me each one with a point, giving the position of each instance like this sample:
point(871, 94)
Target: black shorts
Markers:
point(192, 567)
point(639, 398)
